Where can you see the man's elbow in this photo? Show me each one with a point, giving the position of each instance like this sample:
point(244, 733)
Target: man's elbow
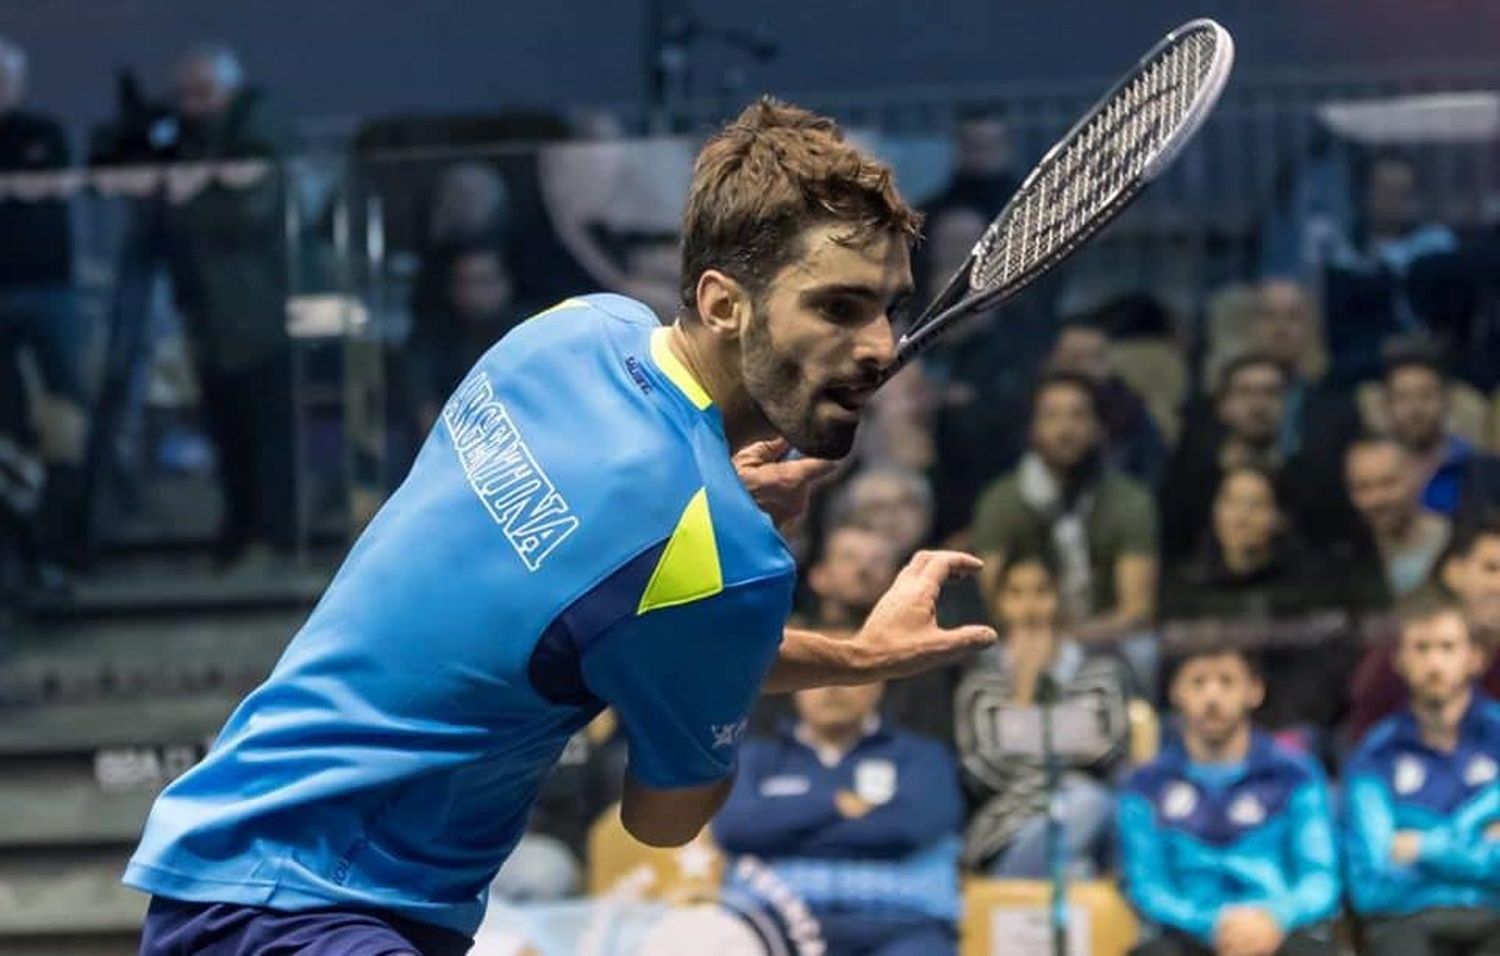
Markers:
point(664, 834)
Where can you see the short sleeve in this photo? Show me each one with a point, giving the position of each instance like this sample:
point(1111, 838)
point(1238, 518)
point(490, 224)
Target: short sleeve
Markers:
point(1135, 520)
point(682, 679)
point(998, 518)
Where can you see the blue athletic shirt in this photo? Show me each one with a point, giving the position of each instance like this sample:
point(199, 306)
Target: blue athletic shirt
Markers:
point(572, 535)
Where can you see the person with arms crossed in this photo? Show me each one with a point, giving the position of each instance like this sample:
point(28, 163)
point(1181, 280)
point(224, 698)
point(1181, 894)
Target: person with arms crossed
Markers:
point(1227, 840)
point(584, 527)
point(1422, 822)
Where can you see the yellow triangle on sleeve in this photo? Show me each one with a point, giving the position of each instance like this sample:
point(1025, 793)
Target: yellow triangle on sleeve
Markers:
point(689, 566)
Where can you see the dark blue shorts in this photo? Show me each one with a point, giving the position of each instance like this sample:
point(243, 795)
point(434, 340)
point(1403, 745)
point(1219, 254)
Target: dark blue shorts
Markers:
point(175, 928)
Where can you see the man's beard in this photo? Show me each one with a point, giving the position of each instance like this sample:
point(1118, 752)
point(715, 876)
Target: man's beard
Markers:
point(778, 391)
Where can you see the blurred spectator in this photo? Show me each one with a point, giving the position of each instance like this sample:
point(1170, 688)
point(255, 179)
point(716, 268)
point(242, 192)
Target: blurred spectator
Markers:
point(1227, 841)
point(38, 316)
point(1132, 442)
point(548, 862)
point(978, 374)
point(1458, 479)
point(1253, 569)
point(999, 736)
point(983, 165)
point(229, 276)
point(859, 819)
point(897, 430)
point(1101, 524)
point(894, 503)
point(855, 569)
point(1422, 827)
point(1386, 491)
point(1251, 410)
point(477, 307)
point(1470, 571)
point(469, 209)
point(1367, 276)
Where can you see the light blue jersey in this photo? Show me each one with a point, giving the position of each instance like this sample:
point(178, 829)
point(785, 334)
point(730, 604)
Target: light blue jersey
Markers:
point(571, 536)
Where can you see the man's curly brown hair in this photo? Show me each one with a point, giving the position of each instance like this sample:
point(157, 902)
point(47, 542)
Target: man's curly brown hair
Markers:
point(768, 175)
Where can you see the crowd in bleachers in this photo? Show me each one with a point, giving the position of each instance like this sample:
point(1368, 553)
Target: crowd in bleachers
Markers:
point(1271, 522)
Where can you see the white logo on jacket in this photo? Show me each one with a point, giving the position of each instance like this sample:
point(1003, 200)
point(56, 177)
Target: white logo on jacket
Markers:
point(1179, 801)
point(875, 781)
point(1408, 776)
point(1247, 811)
point(1481, 770)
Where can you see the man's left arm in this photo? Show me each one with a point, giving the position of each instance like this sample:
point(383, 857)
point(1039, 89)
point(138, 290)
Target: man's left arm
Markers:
point(681, 679)
point(1314, 888)
point(1461, 849)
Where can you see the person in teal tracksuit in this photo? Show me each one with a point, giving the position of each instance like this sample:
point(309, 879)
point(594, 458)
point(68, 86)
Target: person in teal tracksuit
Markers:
point(1422, 820)
point(1226, 839)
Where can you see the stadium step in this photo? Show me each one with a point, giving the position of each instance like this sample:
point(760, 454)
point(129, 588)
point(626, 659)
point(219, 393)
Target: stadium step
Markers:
point(67, 893)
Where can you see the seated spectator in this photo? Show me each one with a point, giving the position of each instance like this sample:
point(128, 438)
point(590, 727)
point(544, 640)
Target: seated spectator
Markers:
point(1385, 490)
point(1457, 479)
point(854, 568)
point(1250, 430)
point(1253, 568)
point(1422, 821)
point(475, 310)
point(983, 165)
point(859, 819)
point(1101, 524)
point(999, 737)
point(1226, 840)
point(1470, 572)
point(1132, 442)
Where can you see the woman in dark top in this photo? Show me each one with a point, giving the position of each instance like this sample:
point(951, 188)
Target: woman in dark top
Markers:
point(1254, 582)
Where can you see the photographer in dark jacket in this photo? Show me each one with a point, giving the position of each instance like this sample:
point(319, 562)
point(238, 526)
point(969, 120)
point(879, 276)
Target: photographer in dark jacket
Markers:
point(229, 271)
point(40, 474)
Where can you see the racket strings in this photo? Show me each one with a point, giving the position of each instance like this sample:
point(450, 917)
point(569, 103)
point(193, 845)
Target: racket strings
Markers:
point(1097, 168)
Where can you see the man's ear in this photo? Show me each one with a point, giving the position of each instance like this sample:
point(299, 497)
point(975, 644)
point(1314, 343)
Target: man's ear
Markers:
point(723, 304)
point(817, 579)
point(1451, 573)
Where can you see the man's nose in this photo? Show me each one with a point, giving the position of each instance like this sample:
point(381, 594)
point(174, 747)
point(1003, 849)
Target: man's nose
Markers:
point(876, 346)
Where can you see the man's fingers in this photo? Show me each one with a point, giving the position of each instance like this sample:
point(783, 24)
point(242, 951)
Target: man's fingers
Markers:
point(762, 452)
point(973, 636)
point(808, 470)
point(937, 567)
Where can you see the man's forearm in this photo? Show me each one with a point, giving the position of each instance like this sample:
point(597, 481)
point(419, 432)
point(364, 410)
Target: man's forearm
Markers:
point(809, 659)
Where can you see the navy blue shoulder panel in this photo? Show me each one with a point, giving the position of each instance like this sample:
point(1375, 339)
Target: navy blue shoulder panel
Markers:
point(555, 668)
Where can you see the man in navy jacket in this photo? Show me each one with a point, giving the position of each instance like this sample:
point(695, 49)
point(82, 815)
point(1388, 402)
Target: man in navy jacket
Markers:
point(859, 819)
point(1422, 831)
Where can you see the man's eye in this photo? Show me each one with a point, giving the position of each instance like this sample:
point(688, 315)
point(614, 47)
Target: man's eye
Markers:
point(839, 310)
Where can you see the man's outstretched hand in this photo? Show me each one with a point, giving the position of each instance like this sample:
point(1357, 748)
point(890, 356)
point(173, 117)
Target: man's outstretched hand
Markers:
point(901, 636)
point(780, 487)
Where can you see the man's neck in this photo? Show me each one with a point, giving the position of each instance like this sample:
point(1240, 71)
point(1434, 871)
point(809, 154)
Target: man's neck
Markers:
point(1232, 749)
point(1239, 452)
point(1407, 533)
point(1438, 722)
point(831, 742)
point(706, 360)
point(1245, 560)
